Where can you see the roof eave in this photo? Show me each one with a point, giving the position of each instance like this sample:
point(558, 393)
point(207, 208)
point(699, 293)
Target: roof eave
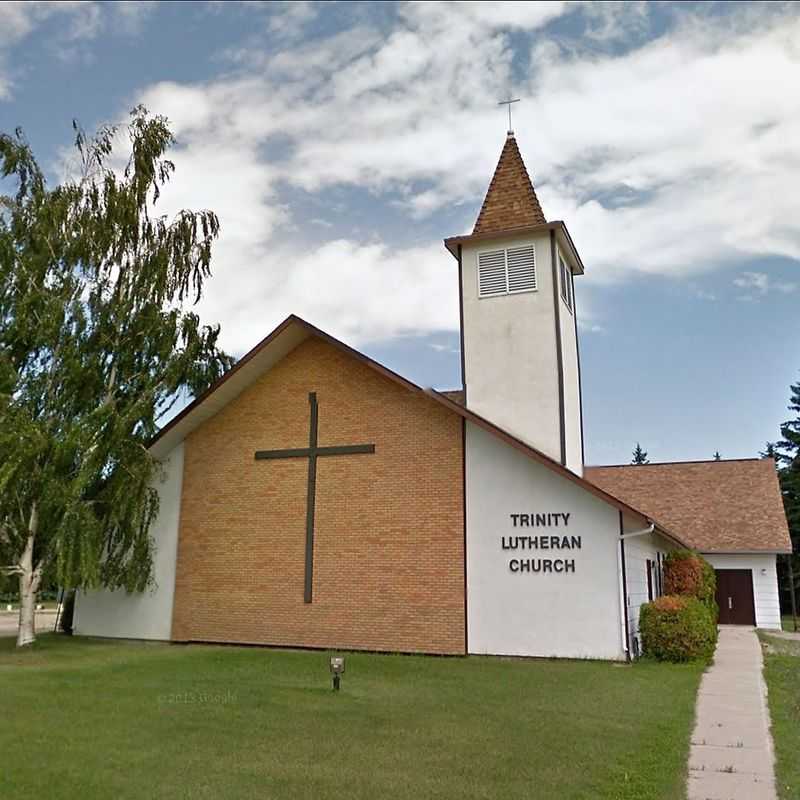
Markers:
point(452, 243)
point(749, 551)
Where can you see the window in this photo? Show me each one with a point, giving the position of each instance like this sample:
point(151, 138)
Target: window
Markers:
point(650, 580)
point(506, 271)
point(566, 282)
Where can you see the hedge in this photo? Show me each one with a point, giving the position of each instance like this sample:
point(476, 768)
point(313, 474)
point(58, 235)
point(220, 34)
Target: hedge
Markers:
point(688, 573)
point(678, 628)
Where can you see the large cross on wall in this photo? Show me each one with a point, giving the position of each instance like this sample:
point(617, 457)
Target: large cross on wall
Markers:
point(312, 453)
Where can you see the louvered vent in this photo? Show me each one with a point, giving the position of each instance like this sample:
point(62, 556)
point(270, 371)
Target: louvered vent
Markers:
point(521, 269)
point(492, 277)
point(506, 271)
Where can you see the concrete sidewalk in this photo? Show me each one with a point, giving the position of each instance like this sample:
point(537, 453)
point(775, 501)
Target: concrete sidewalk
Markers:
point(731, 756)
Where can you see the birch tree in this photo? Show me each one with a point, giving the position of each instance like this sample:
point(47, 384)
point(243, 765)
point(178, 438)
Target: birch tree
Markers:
point(97, 340)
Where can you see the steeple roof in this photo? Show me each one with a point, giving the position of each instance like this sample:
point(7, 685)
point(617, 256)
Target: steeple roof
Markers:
point(510, 201)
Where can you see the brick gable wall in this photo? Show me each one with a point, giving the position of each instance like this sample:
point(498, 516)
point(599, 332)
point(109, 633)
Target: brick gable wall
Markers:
point(389, 532)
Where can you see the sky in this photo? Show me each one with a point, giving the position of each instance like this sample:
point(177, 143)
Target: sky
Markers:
point(339, 143)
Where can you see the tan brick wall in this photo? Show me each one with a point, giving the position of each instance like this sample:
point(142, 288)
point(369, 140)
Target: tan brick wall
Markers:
point(388, 546)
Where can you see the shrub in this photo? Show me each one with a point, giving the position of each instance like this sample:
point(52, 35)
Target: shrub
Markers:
point(688, 573)
point(678, 628)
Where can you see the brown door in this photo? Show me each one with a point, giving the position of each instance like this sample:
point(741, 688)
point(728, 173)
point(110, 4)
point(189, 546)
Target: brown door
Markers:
point(735, 597)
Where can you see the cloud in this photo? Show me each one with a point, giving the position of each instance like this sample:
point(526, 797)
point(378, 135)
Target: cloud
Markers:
point(443, 348)
point(78, 22)
point(758, 284)
point(687, 124)
point(130, 16)
point(358, 291)
point(288, 19)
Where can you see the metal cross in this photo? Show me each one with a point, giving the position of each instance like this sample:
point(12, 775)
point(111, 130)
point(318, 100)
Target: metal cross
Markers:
point(312, 453)
point(508, 103)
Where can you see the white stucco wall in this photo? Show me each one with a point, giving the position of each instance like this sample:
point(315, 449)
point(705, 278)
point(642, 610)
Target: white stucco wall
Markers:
point(765, 582)
point(511, 371)
point(146, 615)
point(572, 396)
point(573, 615)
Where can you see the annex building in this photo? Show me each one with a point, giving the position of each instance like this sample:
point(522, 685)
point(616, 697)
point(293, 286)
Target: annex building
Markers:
point(314, 498)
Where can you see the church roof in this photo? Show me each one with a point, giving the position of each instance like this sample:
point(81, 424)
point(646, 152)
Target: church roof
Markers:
point(718, 506)
point(511, 208)
point(510, 201)
point(292, 332)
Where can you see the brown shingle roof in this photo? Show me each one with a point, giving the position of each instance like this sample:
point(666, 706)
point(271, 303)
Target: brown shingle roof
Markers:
point(456, 395)
point(717, 506)
point(510, 200)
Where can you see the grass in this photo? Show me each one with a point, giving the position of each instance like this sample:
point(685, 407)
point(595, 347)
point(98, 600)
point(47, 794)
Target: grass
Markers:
point(782, 674)
point(95, 719)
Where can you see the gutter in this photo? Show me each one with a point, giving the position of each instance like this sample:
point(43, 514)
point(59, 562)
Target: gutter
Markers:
point(642, 532)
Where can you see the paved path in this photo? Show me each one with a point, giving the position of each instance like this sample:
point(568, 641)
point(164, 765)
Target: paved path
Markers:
point(731, 756)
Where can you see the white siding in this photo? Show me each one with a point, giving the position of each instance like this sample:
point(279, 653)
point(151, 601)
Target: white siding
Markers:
point(570, 615)
point(146, 615)
point(638, 550)
point(765, 582)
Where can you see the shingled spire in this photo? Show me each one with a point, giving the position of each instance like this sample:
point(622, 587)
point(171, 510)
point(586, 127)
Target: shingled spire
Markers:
point(510, 200)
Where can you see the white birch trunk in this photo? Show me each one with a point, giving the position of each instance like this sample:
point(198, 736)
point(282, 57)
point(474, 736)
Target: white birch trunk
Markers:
point(29, 579)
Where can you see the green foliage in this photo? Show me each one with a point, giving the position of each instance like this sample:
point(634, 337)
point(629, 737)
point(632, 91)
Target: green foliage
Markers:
point(678, 628)
point(786, 454)
point(639, 455)
point(688, 573)
point(96, 343)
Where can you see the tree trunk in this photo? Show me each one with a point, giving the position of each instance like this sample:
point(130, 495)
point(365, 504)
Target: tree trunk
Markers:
point(29, 579)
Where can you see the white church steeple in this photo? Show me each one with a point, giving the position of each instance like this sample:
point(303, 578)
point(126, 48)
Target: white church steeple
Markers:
point(519, 340)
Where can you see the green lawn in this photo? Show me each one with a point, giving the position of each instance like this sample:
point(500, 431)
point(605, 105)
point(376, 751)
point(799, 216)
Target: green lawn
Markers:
point(782, 673)
point(95, 719)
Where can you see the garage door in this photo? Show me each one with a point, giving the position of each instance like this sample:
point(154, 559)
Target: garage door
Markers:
point(735, 597)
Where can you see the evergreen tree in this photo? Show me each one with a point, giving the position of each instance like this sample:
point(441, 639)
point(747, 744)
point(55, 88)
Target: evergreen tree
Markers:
point(769, 451)
point(639, 455)
point(717, 456)
point(96, 343)
point(787, 457)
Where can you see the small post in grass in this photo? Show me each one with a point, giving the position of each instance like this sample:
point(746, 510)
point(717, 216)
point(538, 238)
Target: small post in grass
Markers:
point(337, 670)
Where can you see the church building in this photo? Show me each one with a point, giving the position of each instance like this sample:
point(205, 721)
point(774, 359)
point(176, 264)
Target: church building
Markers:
point(314, 498)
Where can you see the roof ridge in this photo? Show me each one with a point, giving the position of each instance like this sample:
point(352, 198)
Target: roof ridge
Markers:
point(678, 463)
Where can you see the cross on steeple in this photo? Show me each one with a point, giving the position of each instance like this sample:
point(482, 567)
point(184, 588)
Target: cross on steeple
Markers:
point(312, 453)
point(508, 103)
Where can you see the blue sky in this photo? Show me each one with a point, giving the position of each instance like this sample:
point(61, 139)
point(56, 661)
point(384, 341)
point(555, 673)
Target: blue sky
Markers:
point(340, 143)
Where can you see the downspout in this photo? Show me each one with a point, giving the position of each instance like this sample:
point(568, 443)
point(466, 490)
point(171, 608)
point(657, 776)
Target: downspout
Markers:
point(624, 591)
point(622, 537)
